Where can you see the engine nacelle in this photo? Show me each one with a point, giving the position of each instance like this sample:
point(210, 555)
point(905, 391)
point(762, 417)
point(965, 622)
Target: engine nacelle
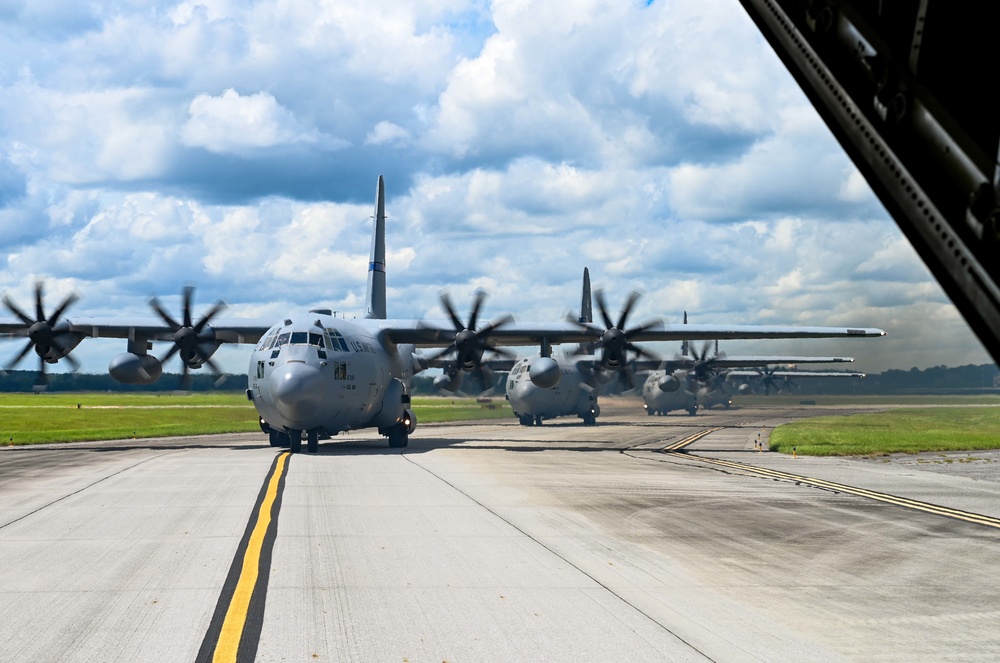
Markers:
point(544, 372)
point(392, 405)
point(668, 383)
point(745, 389)
point(135, 369)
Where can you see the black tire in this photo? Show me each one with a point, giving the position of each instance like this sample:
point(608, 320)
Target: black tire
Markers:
point(295, 441)
point(525, 420)
point(538, 420)
point(274, 438)
point(312, 441)
point(398, 437)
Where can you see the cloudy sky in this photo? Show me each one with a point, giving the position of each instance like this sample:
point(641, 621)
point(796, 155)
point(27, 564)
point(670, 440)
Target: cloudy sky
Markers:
point(235, 145)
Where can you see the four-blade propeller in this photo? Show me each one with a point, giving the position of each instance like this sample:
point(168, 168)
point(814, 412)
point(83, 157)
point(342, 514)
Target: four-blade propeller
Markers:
point(194, 341)
point(50, 341)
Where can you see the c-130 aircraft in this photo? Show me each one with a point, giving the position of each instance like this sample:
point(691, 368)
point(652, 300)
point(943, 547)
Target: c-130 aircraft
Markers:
point(314, 375)
point(568, 385)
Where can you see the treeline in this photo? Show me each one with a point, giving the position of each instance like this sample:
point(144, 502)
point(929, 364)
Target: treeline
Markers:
point(970, 378)
point(25, 380)
point(937, 379)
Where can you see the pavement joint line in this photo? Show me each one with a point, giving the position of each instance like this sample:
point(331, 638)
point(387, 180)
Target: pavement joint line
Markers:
point(551, 550)
point(917, 505)
point(88, 486)
point(234, 631)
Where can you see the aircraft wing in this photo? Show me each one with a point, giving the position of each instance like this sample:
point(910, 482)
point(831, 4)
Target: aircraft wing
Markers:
point(438, 333)
point(227, 330)
point(734, 361)
point(795, 374)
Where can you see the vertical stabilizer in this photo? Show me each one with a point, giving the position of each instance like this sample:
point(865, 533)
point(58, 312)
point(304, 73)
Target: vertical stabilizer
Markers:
point(586, 305)
point(684, 344)
point(375, 296)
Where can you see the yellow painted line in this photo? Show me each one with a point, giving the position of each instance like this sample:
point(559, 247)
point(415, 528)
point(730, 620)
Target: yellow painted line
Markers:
point(906, 502)
point(680, 444)
point(236, 615)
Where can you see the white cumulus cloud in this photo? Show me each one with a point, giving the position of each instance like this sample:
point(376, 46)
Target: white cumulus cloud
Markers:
point(236, 124)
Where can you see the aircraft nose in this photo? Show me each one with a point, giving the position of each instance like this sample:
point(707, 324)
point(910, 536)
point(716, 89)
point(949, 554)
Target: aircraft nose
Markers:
point(297, 389)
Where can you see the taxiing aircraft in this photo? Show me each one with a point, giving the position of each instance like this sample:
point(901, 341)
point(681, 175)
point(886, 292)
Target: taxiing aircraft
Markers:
point(550, 386)
point(703, 382)
point(315, 375)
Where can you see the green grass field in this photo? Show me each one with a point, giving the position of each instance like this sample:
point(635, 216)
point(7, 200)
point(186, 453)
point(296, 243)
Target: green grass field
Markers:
point(780, 400)
point(903, 430)
point(34, 419)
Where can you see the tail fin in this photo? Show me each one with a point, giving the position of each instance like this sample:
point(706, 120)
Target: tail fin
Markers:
point(375, 296)
point(586, 303)
point(684, 344)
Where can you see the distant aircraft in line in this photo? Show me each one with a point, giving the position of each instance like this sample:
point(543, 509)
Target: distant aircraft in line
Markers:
point(550, 386)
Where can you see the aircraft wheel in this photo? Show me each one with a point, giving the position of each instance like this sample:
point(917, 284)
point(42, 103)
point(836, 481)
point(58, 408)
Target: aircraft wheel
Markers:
point(538, 420)
point(692, 411)
point(295, 440)
point(589, 420)
point(312, 441)
point(525, 420)
point(397, 437)
point(650, 412)
point(274, 438)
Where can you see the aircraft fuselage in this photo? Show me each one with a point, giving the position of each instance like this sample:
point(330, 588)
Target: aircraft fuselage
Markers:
point(315, 372)
point(569, 397)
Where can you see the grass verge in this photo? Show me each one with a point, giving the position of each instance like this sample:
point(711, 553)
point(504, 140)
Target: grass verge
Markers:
point(67, 417)
point(901, 430)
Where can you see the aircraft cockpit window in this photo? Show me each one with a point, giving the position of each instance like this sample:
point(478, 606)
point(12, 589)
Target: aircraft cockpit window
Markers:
point(316, 339)
point(300, 338)
point(282, 340)
point(337, 341)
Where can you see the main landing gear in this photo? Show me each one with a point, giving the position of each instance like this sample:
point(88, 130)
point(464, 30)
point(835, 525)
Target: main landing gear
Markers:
point(398, 436)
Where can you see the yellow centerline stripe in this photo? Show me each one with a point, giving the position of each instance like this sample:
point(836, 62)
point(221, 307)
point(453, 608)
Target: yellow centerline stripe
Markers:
point(236, 616)
point(927, 507)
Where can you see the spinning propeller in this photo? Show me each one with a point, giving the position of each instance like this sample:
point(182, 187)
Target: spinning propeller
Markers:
point(470, 344)
point(50, 341)
point(768, 381)
point(615, 340)
point(194, 341)
point(702, 365)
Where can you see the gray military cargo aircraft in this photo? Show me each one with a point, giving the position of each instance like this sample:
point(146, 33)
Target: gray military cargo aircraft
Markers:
point(548, 386)
point(315, 375)
point(664, 391)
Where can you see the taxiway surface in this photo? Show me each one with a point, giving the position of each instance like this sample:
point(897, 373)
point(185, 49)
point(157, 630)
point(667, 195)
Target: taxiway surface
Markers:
point(496, 542)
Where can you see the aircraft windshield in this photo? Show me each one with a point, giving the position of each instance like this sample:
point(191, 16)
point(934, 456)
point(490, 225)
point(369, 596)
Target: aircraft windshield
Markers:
point(307, 338)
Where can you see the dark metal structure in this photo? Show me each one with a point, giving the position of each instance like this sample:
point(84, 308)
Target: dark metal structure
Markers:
point(905, 87)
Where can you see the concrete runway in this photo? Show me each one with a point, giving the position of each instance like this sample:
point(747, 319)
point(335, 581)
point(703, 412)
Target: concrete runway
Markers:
point(497, 542)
